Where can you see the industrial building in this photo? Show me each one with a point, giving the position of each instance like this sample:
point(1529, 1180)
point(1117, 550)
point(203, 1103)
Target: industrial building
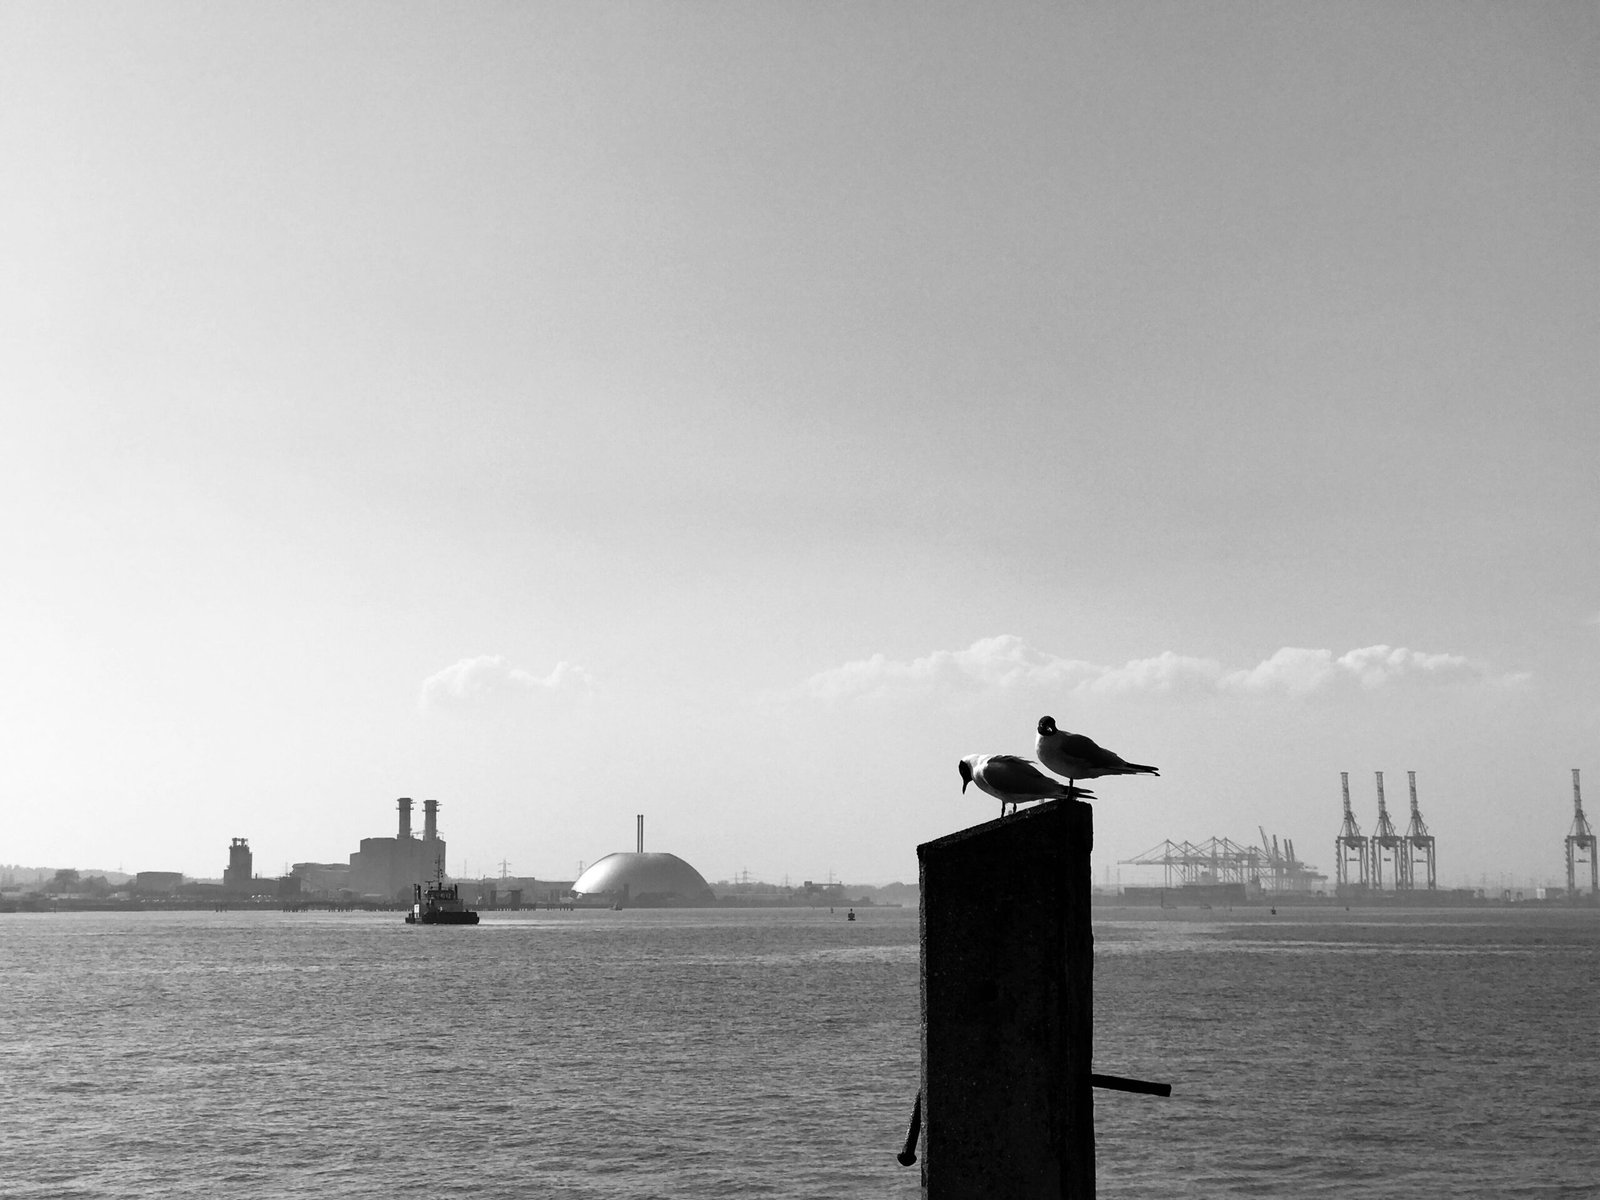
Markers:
point(383, 868)
point(241, 866)
point(239, 879)
point(389, 867)
point(157, 883)
point(645, 880)
point(322, 879)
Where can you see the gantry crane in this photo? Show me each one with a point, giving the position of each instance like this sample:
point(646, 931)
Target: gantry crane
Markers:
point(1419, 842)
point(1222, 860)
point(1218, 860)
point(1286, 873)
point(1385, 841)
point(1580, 839)
point(1351, 845)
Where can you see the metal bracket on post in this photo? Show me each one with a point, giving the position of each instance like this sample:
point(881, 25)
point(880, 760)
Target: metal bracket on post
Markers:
point(1116, 1083)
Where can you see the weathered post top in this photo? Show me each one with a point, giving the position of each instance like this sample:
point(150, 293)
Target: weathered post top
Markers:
point(1008, 1008)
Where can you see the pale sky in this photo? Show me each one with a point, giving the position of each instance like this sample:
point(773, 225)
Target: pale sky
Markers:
point(736, 413)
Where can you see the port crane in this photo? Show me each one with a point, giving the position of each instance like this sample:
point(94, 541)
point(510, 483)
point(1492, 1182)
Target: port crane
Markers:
point(1223, 860)
point(1286, 872)
point(1581, 838)
point(1387, 844)
point(1351, 844)
point(1419, 841)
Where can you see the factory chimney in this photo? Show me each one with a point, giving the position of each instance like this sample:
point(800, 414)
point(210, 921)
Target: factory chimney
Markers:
point(641, 833)
point(404, 804)
point(430, 820)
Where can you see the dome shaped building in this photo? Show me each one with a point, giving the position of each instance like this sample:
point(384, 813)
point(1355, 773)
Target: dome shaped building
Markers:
point(646, 880)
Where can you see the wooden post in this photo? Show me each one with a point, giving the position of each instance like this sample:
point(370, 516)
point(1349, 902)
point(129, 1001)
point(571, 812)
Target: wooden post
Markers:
point(1008, 1008)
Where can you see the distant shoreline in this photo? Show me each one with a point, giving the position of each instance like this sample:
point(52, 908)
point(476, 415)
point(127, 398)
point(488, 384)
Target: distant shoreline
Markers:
point(1332, 913)
point(49, 905)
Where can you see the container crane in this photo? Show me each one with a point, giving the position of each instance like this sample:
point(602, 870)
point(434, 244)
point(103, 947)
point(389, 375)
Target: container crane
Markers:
point(1579, 839)
point(1385, 841)
point(1351, 844)
point(1419, 841)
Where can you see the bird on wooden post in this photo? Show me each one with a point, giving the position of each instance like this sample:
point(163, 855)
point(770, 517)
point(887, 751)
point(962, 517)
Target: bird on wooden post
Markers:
point(1076, 757)
point(1012, 780)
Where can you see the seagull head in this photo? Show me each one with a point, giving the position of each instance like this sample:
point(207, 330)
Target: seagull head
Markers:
point(966, 774)
point(1047, 726)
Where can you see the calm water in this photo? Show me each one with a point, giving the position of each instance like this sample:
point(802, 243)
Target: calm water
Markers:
point(600, 1055)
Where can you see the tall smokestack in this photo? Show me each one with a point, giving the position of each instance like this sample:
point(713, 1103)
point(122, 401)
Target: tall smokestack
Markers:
point(641, 833)
point(404, 804)
point(430, 820)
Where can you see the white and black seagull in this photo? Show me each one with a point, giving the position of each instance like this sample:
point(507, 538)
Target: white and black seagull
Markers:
point(1012, 780)
point(1077, 757)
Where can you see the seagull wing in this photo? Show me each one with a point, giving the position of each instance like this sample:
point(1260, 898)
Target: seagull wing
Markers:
point(1086, 750)
point(1091, 760)
point(1019, 777)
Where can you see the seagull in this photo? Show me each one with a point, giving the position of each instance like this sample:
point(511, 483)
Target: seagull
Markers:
point(1012, 780)
point(1076, 757)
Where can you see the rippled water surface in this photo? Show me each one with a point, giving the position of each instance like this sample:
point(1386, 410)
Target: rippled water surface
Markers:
point(1332, 1054)
point(601, 1055)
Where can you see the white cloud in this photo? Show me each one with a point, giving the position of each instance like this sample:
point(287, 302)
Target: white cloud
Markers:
point(1165, 674)
point(1293, 671)
point(489, 681)
point(1299, 672)
point(1006, 662)
point(997, 662)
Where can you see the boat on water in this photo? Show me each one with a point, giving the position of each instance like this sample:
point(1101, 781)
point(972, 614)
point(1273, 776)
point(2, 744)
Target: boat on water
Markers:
point(439, 904)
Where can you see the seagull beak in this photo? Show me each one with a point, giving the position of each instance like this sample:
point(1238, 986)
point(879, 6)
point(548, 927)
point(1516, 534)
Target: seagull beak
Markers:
point(964, 783)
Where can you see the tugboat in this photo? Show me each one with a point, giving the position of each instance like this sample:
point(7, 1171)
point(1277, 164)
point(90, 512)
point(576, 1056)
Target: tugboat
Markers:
point(441, 904)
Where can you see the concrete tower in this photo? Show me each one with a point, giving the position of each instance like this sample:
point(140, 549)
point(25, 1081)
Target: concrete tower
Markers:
point(241, 866)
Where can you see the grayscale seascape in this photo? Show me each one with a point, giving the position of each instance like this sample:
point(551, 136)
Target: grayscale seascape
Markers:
point(1102, 442)
point(600, 1055)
